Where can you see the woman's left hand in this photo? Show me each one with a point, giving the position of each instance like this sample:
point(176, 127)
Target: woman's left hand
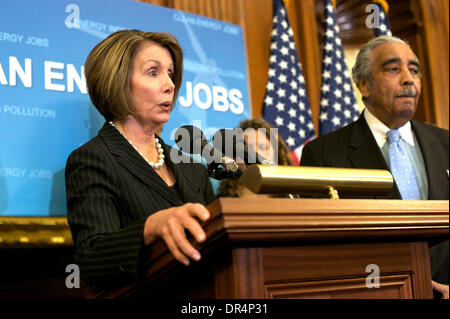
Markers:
point(443, 289)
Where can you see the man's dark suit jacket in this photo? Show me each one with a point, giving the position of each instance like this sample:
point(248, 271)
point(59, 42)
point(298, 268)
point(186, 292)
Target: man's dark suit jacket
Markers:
point(111, 190)
point(354, 146)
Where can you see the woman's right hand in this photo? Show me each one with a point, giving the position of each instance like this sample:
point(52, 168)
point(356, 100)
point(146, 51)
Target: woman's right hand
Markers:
point(170, 224)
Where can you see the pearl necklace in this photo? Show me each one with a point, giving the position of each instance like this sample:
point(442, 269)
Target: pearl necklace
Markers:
point(158, 146)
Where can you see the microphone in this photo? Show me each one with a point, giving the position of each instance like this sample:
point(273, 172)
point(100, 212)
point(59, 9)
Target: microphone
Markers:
point(190, 139)
point(232, 144)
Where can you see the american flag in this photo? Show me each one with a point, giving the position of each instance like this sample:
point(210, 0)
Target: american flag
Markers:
point(384, 27)
point(338, 105)
point(286, 104)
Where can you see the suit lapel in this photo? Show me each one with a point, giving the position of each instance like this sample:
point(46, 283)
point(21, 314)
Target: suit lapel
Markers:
point(365, 152)
point(431, 155)
point(132, 161)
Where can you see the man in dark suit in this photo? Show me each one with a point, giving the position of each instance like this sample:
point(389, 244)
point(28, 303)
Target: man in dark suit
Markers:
point(387, 73)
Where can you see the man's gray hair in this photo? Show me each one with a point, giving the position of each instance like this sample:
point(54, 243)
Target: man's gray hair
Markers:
point(363, 65)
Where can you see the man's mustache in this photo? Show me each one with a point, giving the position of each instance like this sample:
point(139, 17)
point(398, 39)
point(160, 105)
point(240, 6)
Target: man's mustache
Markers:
point(408, 91)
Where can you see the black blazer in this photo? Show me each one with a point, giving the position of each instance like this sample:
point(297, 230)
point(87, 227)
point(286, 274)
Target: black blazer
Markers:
point(354, 146)
point(111, 190)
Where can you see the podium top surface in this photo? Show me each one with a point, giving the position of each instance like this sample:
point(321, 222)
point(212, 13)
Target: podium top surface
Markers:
point(326, 219)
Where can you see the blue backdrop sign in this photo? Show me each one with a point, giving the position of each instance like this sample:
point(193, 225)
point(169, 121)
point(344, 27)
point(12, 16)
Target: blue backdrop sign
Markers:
point(45, 111)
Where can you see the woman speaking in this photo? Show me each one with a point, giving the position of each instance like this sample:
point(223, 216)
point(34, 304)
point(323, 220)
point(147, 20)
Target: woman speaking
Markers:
point(123, 190)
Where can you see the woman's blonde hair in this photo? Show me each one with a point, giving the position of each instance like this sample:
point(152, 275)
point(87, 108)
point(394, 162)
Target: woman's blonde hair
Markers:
point(108, 68)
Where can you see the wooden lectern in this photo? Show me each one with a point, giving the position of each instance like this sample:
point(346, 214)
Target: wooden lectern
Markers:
point(303, 248)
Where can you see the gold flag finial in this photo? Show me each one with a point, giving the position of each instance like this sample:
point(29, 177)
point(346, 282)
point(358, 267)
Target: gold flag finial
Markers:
point(334, 4)
point(384, 4)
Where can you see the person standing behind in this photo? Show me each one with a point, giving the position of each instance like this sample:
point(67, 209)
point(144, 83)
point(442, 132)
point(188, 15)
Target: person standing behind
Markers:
point(258, 138)
point(387, 73)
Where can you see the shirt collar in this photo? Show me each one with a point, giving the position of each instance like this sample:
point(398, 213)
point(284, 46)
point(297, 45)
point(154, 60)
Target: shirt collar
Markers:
point(379, 129)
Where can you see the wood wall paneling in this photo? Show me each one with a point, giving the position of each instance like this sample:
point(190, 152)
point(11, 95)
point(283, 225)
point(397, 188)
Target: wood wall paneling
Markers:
point(433, 17)
point(304, 25)
point(257, 29)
